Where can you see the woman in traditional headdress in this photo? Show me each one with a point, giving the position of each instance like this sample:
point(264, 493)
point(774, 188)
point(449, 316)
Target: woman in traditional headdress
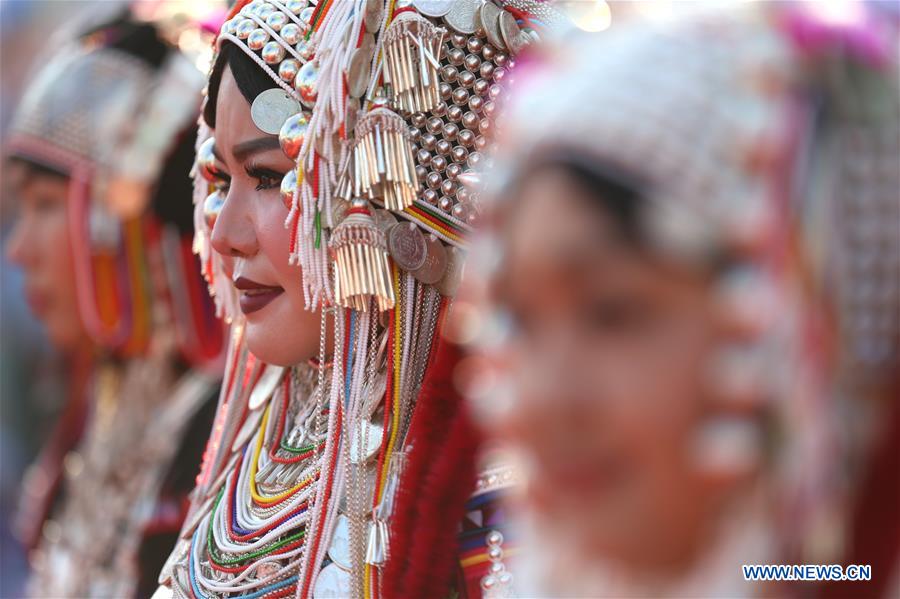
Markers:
point(331, 216)
point(694, 235)
point(98, 158)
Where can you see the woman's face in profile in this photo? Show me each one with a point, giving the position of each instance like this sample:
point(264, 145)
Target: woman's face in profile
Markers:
point(609, 355)
point(251, 236)
point(40, 244)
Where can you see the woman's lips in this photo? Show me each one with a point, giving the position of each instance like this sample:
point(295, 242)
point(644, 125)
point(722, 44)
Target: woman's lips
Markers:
point(255, 296)
point(37, 301)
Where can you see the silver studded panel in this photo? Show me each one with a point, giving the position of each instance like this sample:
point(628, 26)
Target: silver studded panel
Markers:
point(452, 139)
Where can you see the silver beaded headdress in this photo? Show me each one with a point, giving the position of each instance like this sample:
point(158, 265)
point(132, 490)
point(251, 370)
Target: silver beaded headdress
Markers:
point(108, 121)
point(387, 114)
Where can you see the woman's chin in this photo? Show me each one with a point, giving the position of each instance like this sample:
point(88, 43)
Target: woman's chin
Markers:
point(279, 335)
point(274, 346)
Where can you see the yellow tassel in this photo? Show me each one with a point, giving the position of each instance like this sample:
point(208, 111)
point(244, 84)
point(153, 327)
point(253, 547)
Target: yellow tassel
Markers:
point(362, 271)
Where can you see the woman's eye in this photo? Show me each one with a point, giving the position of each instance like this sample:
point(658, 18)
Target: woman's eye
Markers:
point(268, 182)
point(615, 315)
point(267, 178)
point(45, 204)
point(222, 182)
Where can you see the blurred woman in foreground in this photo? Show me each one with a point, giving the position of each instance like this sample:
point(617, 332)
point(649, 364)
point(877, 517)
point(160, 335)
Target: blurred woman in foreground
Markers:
point(676, 264)
point(98, 160)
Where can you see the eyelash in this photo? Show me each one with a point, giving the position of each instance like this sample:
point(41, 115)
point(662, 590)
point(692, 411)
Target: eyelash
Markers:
point(268, 179)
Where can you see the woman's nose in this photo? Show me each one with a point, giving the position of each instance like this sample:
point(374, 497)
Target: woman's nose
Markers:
point(234, 233)
point(17, 247)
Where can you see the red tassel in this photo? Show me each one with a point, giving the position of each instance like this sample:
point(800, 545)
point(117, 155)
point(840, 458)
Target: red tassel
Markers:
point(439, 478)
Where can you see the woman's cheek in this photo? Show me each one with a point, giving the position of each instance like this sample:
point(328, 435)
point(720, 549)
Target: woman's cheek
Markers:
point(275, 239)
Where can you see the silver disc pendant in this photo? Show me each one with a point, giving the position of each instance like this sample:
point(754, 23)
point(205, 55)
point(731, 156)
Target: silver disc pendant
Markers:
point(333, 582)
point(509, 30)
point(449, 283)
point(339, 550)
point(271, 109)
point(373, 14)
point(384, 220)
point(370, 435)
point(461, 16)
point(266, 385)
point(406, 245)
point(435, 261)
point(358, 72)
point(490, 21)
point(433, 8)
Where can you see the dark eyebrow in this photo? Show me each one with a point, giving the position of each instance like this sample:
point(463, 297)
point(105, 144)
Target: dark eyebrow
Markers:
point(261, 144)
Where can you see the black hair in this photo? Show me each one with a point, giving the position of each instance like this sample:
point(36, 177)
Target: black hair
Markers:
point(36, 168)
point(251, 79)
point(171, 199)
point(139, 39)
point(618, 193)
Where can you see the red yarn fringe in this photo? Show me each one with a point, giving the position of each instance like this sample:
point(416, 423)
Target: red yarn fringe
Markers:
point(438, 479)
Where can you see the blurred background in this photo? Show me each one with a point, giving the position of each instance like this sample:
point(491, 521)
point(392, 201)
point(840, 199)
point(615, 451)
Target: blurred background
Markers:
point(32, 375)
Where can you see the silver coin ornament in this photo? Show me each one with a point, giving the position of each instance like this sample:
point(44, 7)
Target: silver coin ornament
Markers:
point(271, 109)
point(433, 8)
point(374, 13)
point(212, 206)
point(449, 283)
point(370, 436)
point(509, 31)
point(462, 15)
point(432, 270)
point(406, 245)
point(339, 210)
point(339, 549)
point(305, 84)
point(293, 133)
point(490, 22)
point(206, 161)
point(384, 220)
point(358, 71)
point(333, 582)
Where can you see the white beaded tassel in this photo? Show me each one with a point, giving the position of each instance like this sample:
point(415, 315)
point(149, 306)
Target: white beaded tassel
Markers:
point(333, 54)
point(221, 288)
point(309, 566)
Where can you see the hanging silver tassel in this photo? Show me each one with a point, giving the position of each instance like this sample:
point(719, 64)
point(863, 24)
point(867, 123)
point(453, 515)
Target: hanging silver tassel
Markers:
point(383, 164)
point(361, 263)
point(377, 546)
point(412, 47)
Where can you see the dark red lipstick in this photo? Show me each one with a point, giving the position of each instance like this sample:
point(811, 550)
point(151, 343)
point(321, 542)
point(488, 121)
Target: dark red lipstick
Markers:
point(255, 296)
